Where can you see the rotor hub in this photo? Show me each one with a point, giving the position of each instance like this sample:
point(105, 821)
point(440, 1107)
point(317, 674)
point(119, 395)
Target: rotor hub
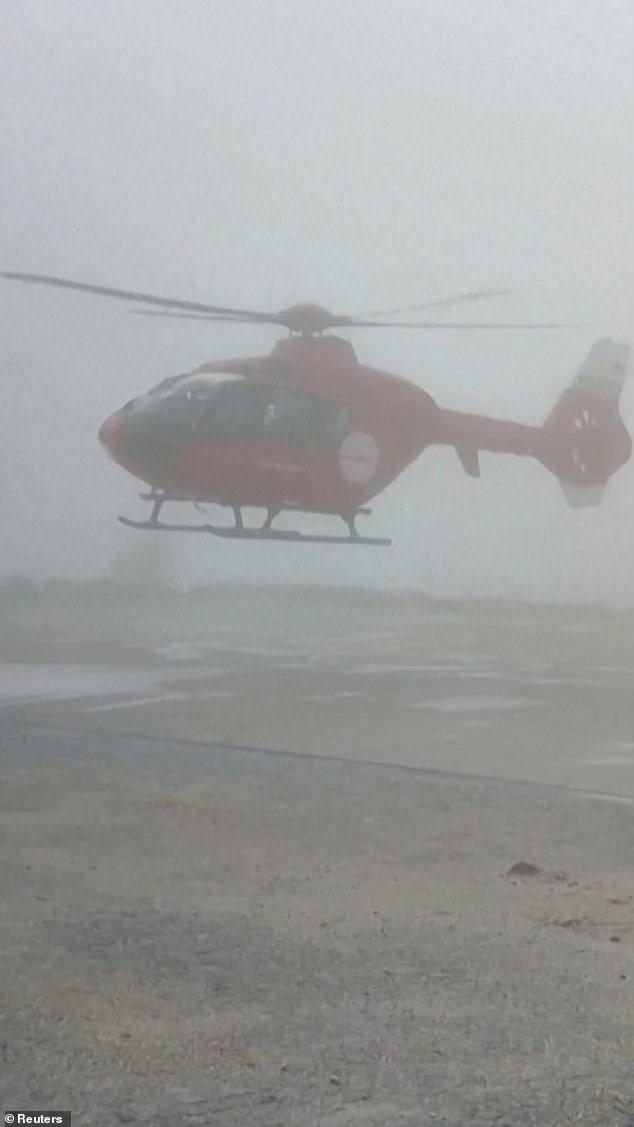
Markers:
point(307, 319)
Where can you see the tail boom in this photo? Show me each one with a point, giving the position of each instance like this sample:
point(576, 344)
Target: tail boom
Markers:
point(583, 441)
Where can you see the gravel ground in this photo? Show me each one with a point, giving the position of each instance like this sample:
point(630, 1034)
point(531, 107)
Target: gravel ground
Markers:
point(195, 934)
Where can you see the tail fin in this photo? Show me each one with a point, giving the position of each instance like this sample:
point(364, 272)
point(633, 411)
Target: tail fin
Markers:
point(585, 439)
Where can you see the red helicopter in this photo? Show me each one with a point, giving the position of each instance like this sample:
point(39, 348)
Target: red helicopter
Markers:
point(309, 429)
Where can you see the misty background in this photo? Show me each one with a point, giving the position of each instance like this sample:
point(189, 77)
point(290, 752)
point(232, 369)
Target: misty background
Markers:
point(357, 154)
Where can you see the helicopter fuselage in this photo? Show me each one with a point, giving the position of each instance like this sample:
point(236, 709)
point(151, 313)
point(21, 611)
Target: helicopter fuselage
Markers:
point(307, 427)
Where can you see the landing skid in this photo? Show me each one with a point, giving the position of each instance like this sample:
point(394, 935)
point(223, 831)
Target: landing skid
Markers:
point(264, 532)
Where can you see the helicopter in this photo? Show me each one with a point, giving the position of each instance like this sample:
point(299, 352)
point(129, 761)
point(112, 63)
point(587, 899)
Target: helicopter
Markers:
point(309, 429)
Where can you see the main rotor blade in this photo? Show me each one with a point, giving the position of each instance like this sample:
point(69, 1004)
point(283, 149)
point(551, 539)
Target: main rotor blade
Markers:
point(456, 299)
point(222, 317)
point(287, 318)
point(460, 325)
point(131, 295)
point(350, 323)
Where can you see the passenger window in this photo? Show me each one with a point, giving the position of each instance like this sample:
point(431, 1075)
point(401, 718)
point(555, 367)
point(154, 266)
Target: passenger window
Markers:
point(240, 413)
point(245, 413)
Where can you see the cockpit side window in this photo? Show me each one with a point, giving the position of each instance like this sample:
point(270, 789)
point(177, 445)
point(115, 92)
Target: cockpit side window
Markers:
point(244, 413)
point(236, 411)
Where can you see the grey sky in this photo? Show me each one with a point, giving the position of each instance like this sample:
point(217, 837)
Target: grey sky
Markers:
point(358, 154)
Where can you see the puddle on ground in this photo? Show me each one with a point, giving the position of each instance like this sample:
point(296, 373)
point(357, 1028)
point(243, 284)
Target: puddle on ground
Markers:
point(392, 667)
point(66, 682)
point(136, 702)
point(342, 695)
point(23, 684)
point(474, 704)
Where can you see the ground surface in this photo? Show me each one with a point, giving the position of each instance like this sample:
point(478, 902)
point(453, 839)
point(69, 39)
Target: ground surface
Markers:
point(196, 930)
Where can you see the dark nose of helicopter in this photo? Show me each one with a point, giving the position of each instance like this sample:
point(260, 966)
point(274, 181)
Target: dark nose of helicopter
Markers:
point(109, 433)
point(128, 434)
point(143, 432)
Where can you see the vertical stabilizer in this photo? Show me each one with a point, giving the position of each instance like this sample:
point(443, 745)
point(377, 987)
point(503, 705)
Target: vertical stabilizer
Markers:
point(585, 438)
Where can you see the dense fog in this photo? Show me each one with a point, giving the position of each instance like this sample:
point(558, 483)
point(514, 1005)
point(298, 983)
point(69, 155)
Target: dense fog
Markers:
point(356, 155)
